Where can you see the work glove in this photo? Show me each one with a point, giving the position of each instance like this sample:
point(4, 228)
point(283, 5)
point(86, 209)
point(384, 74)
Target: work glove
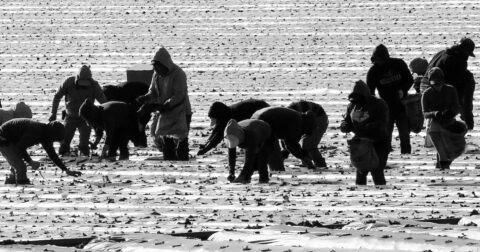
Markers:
point(345, 127)
point(201, 152)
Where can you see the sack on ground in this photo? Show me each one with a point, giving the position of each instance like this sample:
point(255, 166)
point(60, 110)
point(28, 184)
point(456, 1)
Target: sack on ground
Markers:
point(362, 154)
point(449, 140)
point(413, 108)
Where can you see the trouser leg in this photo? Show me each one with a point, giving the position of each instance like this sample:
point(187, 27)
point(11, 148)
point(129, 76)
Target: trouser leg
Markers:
point(403, 127)
point(12, 154)
point(182, 149)
point(361, 177)
point(467, 103)
point(378, 175)
point(70, 127)
point(84, 131)
point(168, 148)
point(261, 163)
point(275, 158)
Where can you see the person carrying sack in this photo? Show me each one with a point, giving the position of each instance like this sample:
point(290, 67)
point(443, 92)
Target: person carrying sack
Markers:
point(440, 104)
point(367, 118)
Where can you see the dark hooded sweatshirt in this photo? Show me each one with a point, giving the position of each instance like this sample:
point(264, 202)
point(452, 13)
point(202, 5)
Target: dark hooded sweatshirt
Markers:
point(288, 125)
point(453, 62)
point(223, 113)
point(389, 78)
point(304, 106)
point(369, 121)
point(24, 133)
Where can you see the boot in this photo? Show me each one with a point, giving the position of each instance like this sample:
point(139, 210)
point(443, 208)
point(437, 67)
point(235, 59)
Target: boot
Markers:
point(407, 149)
point(182, 150)
point(169, 149)
point(10, 180)
point(320, 163)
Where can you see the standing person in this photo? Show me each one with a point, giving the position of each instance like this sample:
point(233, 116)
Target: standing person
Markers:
point(453, 62)
point(76, 89)
point(255, 137)
point(220, 114)
point(310, 142)
point(393, 79)
point(289, 126)
point(20, 110)
point(367, 117)
point(170, 92)
point(17, 135)
point(440, 104)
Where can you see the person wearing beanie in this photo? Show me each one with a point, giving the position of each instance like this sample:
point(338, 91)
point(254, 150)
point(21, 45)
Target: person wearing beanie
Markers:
point(310, 142)
point(367, 117)
point(289, 126)
point(17, 135)
point(169, 91)
point(255, 137)
point(440, 105)
point(76, 89)
point(392, 78)
point(20, 110)
point(220, 113)
point(418, 66)
point(454, 62)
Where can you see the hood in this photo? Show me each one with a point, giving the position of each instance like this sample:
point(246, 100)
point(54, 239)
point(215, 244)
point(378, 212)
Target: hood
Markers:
point(436, 74)
point(219, 110)
point(233, 129)
point(84, 76)
point(361, 88)
point(380, 52)
point(164, 58)
point(22, 110)
point(56, 131)
point(419, 66)
point(468, 46)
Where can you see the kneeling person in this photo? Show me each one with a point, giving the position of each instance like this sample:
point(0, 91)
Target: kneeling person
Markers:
point(255, 137)
point(17, 135)
point(117, 120)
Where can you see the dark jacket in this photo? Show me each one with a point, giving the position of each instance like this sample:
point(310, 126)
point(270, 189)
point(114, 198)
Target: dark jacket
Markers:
point(222, 114)
point(288, 125)
point(304, 106)
point(369, 120)
point(257, 133)
point(75, 95)
point(434, 101)
point(24, 133)
point(389, 78)
point(453, 62)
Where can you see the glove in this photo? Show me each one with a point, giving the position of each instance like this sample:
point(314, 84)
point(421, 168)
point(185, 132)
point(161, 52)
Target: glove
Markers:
point(308, 162)
point(201, 152)
point(53, 117)
point(35, 165)
point(345, 127)
point(73, 173)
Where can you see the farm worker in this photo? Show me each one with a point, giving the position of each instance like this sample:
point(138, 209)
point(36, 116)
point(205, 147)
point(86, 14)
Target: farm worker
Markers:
point(255, 136)
point(20, 110)
point(18, 134)
point(289, 126)
point(367, 117)
point(440, 104)
point(170, 92)
point(310, 142)
point(453, 62)
point(392, 78)
point(76, 89)
point(418, 67)
point(220, 114)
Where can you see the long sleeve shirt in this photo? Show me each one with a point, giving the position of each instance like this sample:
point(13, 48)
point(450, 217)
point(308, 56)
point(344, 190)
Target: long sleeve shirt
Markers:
point(433, 101)
point(24, 133)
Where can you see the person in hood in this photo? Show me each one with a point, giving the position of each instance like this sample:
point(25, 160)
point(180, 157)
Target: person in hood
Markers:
point(20, 110)
point(169, 92)
point(220, 114)
point(255, 137)
point(454, 63)
point(17, 135)
point(310, 142)
point(392, 78)
point(439, 104)
point(289, 126)
point(367, 117)
point(418, 67)
point(76, 89)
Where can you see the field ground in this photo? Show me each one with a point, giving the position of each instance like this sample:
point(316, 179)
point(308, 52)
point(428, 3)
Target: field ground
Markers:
point(279, 51)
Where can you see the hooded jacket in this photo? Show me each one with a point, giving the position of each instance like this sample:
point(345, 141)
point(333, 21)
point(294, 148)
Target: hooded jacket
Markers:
point(222, 113)
point(20, 110)
point(369, 120)
point(75, 94)
point(171, 91)
point(453, 62)
point(389, 78)
point(288, 125)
